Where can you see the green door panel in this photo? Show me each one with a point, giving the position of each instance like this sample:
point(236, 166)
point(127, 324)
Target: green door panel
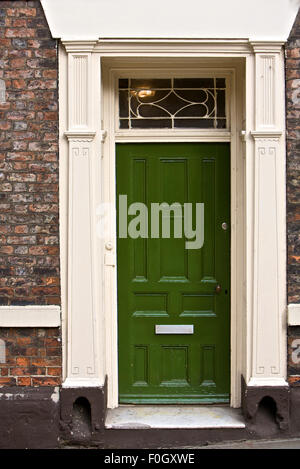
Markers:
point(160, 282)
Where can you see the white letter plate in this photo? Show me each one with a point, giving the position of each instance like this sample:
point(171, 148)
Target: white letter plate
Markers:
point(174, 329)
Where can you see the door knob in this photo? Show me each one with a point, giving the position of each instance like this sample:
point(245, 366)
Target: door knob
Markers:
point(224, 226)
point(218, 288)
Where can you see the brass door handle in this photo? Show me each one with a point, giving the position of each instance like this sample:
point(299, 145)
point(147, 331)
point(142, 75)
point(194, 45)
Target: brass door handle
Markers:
point(218, 289)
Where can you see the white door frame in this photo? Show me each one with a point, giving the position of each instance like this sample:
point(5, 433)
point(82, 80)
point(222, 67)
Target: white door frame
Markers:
point(141, 68)
point(87, 177)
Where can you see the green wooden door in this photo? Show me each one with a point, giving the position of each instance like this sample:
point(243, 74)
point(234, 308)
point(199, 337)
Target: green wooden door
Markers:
point(160, 282)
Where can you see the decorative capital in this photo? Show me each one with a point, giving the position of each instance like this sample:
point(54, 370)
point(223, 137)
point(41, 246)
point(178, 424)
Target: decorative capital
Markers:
point(79, 46)
point(267, 135)
point(80, 136)
point(269, 47)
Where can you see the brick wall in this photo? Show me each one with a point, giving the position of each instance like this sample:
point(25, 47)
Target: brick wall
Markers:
point(29, 227)
point(29, 243)
point(293, 161)
point(293, 191)
point(33, 357)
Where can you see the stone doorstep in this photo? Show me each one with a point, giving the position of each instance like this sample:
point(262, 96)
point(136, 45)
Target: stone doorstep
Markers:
point(173, 416)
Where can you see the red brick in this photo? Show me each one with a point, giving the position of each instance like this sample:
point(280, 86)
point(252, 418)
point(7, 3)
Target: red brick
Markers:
point(50, 115)
point(22, 32)
point(46, 381)
point(5, 229)
point(5, 42)
point(29, 12)
point(22, 361)
point(4, 125)
point(31, 351)
point(294, 380)
point(17, 63)
point(18, 23)
point(46, 361)
point(50, 74)
point(19, 84)
point(24, 340)
point(54, 371)
point(19, 371)
point(29, 119)
point(21, 239)
point(21, 229)
point(4, 371)
point(6, 249)
point(24, 381)
point(7, 381)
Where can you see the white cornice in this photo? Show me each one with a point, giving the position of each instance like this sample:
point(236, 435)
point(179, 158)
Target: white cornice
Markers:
point(73, 45)
point(165, 47)
point(161, 45)
point(267, 46)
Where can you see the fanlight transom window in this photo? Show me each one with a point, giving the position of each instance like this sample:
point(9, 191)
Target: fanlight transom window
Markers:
point(172, 103)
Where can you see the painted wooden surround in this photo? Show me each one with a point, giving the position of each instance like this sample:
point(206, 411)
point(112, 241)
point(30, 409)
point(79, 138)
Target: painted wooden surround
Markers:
point(88, 263)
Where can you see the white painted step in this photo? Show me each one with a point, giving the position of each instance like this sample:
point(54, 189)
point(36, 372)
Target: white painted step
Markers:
point(172, 416)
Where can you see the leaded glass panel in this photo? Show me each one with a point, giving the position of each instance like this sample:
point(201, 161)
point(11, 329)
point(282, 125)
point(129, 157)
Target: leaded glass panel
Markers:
point(172, 103)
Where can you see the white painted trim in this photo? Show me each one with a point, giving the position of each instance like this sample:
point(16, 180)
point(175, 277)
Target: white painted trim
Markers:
point(266, 186)
point(140, 67)
point(267, 382)
point(267, 134)
point(171, 137)
point(82, 383)
point(260, 126)
point(30, 316)
point(79, 46)
point(63, 198)
point(79, 197)
point(80, 136)
point(294, 314)
point(172, 48)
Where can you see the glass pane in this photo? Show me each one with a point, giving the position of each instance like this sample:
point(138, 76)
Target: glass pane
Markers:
point(156, 83)
point(194, 123)
point(220, 83)
point(124, 123)
point(221, 103)
point(123, 83)
point(147, 103)
point(151, 124)
point(194, 83)
point(123, 103)
point(221, 123)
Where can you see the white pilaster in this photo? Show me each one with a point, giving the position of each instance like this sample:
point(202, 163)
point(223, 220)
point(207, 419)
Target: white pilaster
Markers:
point(83, 349)
point(268, 363)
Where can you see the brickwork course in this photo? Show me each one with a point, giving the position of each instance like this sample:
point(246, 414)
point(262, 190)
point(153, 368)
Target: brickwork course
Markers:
point(29, 225)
